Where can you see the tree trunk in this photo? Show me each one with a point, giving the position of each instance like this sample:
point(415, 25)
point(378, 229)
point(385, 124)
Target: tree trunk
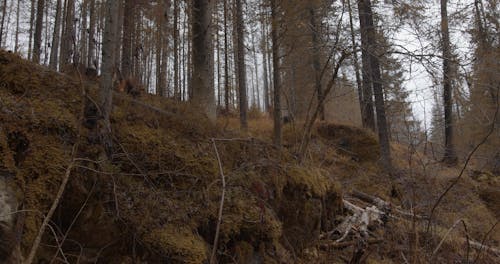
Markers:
point(263, 49)
point(91, 58)
point(4, 13)
point(106, 81)
point(316, 60)
point(16, 44)
point(54, 51)
point(202, 79)
point(375, 78)
point(68, 36)
point(226, 59)
point(164, 58)
point(37, 45)
point(242, 82)
point(128, 25)
point(276, 74)
point(177, 93)
point(356, 64)
point(449, 149)
point(367, 109)
point(83, 34)
point(255, 63)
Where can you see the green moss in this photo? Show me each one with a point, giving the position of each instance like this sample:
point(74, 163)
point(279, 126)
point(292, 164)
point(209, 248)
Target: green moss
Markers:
point(179, 243)
point(312, 179)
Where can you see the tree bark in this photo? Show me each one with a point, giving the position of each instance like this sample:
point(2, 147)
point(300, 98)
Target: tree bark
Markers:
point(164, 58)
point(177, 92)
point(367, 110)
point(128, 25)
point(256, 66)
point(16, 44)
point(356, 63)
point(202, 79)
point(37, 45)
point(83, 33)
point(68, 36)
point(449, 150)
point(316, 60)
point(91, 57)
point(242, 82)
point(276, 74)
point(106, 81)
point(4, 13)
point(375, 78)
point(226, 59)
point(54, 50)
point(263, 49)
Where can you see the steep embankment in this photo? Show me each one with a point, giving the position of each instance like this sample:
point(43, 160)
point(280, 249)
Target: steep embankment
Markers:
point(158, 197)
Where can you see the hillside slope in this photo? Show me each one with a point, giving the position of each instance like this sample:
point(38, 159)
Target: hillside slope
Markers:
point(157, 199)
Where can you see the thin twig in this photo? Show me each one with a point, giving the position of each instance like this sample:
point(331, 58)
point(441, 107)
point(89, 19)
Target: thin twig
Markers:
point(483, 241)
point(469, 157)
point(221, 206)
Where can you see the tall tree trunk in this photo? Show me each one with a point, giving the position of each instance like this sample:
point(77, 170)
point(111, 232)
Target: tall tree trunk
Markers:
point(68, 36)
point(177, 94)
point(263, 48)
point(83, 34)
point(106, 81)
point(4, 13)
point(218, 49)
point(242, 82)
point(164, 54)
point(54, 50)
point(37, 45)
point(356, 64)
point(367, 110)
point(189, 75)
point(128, 30)
point(316, 59)
point(91, 58)
point(202, 79)
point(16, 44)
point(226, 59)
point(255, 63)
point(276, 74)
point(450, 156)
point(158, 46)
point(30, 31)
point(375, 78)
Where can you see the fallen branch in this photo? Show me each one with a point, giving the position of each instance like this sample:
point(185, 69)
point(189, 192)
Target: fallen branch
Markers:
point(46, 220)
point(385, 206)
point(221, 206)
point(345, 244)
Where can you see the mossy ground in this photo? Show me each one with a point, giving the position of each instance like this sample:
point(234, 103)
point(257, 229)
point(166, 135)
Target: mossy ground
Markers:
point(157, 198)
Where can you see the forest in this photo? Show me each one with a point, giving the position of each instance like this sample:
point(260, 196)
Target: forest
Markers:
point(257, 131)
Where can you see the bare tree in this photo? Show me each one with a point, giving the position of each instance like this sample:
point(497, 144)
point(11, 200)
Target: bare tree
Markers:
point(108, 66)
point(450, 156)
point(37, 45)
point(4, 13)
point(91, 56)
point(367, 109)
point(54, 51)
point(242, 83)
point(371, 67)
point(356, 63)
point(276, 74)
point(202, 79)
point(68, 35)
point(128, 25)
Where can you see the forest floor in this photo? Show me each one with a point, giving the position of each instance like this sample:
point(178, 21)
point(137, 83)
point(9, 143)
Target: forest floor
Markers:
point(157, 199)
